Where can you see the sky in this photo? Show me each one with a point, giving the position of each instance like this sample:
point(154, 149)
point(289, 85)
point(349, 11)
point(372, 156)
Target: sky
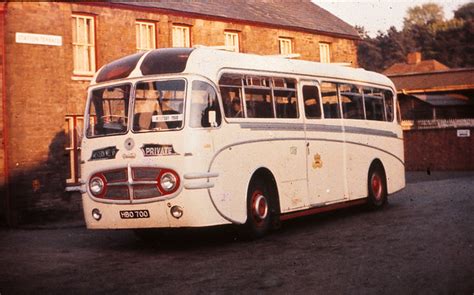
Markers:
point(375, 15)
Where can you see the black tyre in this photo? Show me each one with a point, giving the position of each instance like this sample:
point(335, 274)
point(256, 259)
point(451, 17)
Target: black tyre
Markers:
point(377, 187)
point(260, 210)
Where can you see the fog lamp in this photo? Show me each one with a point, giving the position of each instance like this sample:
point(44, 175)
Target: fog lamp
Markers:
point(177, 212)
point(96, 214)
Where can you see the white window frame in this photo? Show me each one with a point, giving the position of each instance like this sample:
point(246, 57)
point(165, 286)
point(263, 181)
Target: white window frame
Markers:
point(83, 43)
point(232, 41)
point(324, 52)
point(286, 46)
point(181, 36)
point(145, 35)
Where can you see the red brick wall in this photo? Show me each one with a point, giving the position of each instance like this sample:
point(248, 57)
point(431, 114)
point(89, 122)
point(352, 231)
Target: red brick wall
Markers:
point(41, 89)
point(3, 201)
point(438, 149)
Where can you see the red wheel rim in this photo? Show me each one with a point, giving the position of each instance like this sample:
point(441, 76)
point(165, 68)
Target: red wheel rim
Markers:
point(259, 207)
point(377, 186)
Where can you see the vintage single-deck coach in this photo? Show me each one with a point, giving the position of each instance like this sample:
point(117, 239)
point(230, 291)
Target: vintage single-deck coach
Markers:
point(193, 137)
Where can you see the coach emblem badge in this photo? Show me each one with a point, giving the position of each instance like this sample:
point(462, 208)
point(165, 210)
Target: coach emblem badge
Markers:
point(317, 162)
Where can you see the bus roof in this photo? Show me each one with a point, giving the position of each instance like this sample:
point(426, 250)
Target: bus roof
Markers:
point(211, 62)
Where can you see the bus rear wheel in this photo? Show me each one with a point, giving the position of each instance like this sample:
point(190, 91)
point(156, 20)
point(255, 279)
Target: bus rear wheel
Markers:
point(260, 211)
point(377, 187)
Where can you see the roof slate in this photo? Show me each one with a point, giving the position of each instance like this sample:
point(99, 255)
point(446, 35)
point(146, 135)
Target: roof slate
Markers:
point(420, 67)
point(296, 14)
point(450, 79)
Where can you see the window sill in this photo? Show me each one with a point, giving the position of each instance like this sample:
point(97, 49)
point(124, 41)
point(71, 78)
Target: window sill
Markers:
point(81, 78)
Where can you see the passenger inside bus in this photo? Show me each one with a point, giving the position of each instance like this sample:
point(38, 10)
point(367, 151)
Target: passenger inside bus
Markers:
point(237, 108)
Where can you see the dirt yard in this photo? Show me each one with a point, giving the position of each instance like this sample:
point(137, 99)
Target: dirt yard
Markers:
point(422, 242)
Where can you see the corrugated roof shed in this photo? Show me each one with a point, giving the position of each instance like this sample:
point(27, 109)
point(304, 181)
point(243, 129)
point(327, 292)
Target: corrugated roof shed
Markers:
point(300, 15)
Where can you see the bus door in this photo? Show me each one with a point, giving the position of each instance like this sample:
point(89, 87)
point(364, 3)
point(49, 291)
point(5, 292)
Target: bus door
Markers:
point(325, 143)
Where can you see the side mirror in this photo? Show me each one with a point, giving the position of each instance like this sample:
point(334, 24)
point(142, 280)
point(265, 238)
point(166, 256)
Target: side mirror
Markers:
point(212, 118)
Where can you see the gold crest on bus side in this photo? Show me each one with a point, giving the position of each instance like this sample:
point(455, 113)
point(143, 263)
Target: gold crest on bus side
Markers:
point(317, 162)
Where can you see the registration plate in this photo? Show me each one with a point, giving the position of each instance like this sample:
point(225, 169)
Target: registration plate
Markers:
point(132, 214)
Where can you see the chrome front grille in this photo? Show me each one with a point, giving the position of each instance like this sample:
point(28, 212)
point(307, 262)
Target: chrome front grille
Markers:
point(145, 173)
point(131, 184)
point(117, 193)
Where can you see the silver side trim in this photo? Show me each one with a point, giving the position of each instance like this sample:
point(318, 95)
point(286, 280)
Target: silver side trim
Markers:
point(273, 126)
point(316, 127)
point(204, 185)
point(200, 175)
point(369, 131)
point(324, 128)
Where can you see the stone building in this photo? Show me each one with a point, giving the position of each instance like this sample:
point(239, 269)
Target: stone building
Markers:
point(50, 50)
point(437, 108)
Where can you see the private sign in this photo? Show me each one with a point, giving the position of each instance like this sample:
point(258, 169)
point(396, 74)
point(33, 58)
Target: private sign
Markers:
point(153, 150)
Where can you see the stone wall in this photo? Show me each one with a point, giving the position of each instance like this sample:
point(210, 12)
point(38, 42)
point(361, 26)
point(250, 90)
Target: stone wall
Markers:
point(41, 89)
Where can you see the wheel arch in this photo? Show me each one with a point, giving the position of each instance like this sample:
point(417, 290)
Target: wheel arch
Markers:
point(377, 164)
point(267, 176)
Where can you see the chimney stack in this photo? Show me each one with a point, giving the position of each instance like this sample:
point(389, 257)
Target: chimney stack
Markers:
point(414, 58)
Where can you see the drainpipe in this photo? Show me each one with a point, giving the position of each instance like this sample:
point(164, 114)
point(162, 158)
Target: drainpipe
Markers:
point(7, 203)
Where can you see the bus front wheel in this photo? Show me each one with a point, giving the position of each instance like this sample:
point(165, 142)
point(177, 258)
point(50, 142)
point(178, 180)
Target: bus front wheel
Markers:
point(260, 210)
point(377, 186)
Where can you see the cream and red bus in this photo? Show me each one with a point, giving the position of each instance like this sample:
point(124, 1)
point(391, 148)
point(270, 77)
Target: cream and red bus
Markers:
point(196, 137)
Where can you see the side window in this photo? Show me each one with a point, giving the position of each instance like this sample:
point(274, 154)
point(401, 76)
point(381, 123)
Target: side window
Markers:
point(351, 101)
point(203, 101)
point(252, 96)
point(311, 99)
point(389, 109)
point(230, 86)
point(258, 98)
point(374, 104)
point(330, 101)
point(284, 92)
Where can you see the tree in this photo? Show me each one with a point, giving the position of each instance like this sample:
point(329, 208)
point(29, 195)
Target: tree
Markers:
point(465, 12)
point(426, 14)
point(425, 30)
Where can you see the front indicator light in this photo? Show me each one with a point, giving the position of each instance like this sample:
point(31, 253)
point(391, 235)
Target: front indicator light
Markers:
point(177, 212)
point(96, 214)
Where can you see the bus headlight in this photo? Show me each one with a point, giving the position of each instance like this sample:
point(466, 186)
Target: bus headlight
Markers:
point(96, 185)
point(168, 181)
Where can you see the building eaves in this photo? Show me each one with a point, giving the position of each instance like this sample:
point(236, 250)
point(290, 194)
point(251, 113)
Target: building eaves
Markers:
point(421, 67)
point(298, 15)
point(447, 80)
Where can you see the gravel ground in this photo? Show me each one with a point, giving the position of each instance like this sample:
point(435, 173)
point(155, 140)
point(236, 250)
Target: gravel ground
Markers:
point(421, 243)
